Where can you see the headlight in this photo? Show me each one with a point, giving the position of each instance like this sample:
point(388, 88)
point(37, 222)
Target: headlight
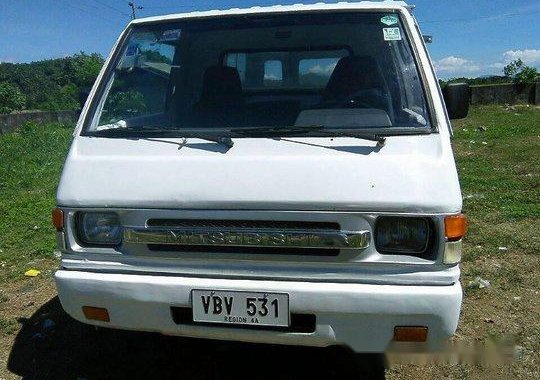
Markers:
point(402, 235)
point(102, 228)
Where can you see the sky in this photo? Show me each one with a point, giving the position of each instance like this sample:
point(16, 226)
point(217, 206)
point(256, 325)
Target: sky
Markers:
point(471, 37)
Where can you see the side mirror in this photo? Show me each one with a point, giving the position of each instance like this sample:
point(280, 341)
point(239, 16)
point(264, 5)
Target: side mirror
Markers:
point(457, 98)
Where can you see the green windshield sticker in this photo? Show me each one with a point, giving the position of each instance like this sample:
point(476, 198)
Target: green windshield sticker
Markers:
point(392, 34)
point(389, 20)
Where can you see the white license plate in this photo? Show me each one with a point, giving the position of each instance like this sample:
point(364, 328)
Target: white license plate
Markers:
point(240, 308)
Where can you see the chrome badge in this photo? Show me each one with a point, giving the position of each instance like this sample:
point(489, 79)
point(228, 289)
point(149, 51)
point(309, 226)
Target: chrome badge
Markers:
point(325, 239)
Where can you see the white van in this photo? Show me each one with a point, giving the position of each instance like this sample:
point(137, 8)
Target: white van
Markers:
point(276, 175)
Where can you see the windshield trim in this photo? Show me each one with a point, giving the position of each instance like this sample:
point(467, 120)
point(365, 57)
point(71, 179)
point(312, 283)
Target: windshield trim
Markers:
point(121, 45)
point(104, 81)
point(424, 82)
point(271, 132)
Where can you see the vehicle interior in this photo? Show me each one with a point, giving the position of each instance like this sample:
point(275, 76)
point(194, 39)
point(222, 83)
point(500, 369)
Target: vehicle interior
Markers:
point(336, 70)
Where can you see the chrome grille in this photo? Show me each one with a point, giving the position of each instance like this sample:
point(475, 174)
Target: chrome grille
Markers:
point(246, 233)
point(244, 224)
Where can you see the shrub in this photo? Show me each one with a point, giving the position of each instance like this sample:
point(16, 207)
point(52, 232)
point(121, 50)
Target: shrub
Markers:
point(11, 98)
point(520, 73)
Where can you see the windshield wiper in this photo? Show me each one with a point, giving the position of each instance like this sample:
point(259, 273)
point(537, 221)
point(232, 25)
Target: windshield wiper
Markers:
point(319, 130)
point(223, 140)
point(144, 132)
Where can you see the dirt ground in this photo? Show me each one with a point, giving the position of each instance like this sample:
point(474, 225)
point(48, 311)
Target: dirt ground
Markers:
point(65, 349)
point(71, 350)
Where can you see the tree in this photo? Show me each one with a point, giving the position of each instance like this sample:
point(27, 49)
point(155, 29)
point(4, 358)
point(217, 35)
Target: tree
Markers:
point(53, 84)
point(11, 98)
point(123, 104)
point(86, 68)
point(64, 99)
point(518, 72)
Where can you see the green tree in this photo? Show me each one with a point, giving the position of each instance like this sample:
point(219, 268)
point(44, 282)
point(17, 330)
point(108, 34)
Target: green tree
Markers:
point(64, 99)
point(53, 84)
point(123, 104)
point(155, 56)
point(518, 72)
point(11, 98)
point(86, 68)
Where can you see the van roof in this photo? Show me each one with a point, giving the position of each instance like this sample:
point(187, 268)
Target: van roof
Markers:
point(376, 5)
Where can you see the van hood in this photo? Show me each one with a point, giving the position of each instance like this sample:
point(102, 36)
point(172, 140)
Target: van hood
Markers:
point(408, 174)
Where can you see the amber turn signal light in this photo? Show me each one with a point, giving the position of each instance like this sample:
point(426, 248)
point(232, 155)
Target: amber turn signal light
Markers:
point(58, 219)
point(455, 227)
point(96, 313)
point(410, 333)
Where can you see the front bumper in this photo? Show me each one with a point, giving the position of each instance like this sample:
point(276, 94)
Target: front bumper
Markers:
point(361, 316)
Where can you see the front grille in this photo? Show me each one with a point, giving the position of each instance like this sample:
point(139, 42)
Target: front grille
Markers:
point(247, 224)
point(242, 250)
point(269, 237)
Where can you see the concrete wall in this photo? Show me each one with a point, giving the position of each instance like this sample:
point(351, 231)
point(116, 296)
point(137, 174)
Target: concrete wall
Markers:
point(505, 94)
point(10, 122)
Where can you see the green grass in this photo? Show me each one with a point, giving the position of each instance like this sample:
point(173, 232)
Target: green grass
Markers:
point(8, 326)
point(31, 160)
point(499, 172)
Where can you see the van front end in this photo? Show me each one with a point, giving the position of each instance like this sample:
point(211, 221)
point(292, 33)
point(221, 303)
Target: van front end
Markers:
point(302, 278)
point(277, 175)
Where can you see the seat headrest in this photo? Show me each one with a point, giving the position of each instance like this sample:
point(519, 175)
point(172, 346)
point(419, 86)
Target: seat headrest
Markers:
point(352, 74)
point(221, 85)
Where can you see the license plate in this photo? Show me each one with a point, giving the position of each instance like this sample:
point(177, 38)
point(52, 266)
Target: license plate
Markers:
point(240, 308)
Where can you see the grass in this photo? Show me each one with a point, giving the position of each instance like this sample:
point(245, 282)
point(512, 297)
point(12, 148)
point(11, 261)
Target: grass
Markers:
point(31, 160)
point(497, 152)
point(7, 326)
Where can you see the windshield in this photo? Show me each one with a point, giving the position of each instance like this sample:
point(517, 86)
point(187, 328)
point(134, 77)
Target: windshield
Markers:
point(334, 71)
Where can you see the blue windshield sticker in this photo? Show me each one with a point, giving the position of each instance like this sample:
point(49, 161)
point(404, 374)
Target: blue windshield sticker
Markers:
point(392, 34)
point(171, 35)
point(389, 20)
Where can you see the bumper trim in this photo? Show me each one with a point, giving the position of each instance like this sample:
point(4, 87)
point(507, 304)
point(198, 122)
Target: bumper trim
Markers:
point(361, 316)
point(366, 273)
